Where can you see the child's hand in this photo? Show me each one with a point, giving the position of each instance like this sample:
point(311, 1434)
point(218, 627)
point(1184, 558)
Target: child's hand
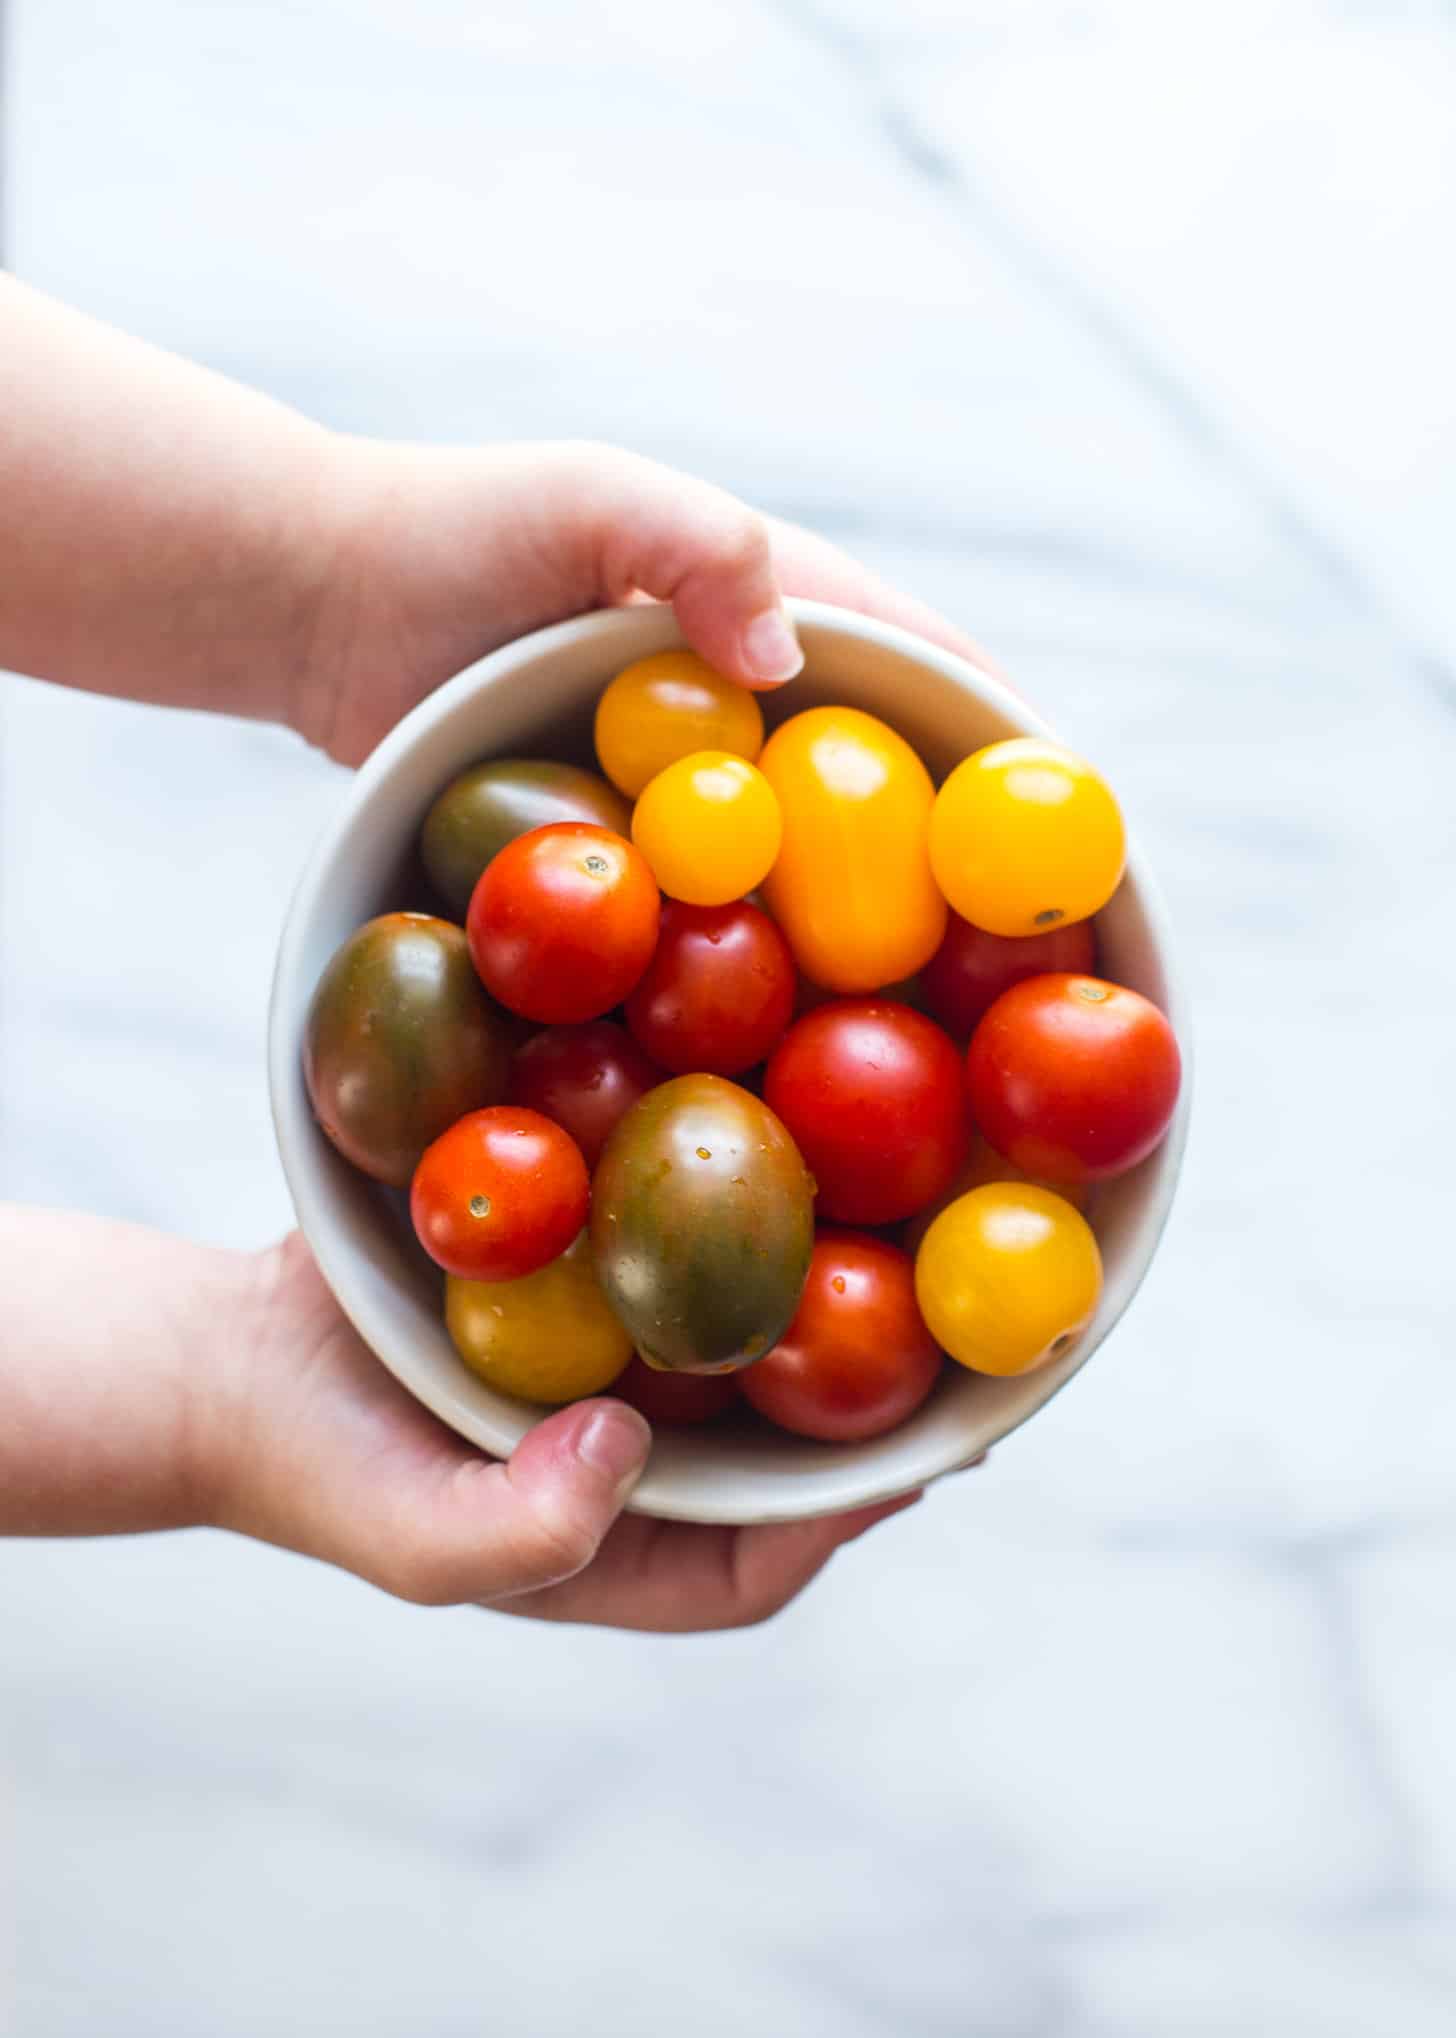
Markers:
point(147, 1383)
point(443, 555)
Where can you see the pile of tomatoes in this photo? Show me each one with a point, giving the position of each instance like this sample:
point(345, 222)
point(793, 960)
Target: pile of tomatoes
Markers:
point(751, 1071)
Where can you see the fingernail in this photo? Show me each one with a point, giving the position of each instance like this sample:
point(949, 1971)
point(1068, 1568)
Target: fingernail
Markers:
point(971, 1463)
point(769, 647)
point(615, 1442)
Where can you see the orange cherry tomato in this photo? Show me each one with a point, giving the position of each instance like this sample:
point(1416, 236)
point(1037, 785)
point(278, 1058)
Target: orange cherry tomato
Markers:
point(1024, 837)
point(852, 887)
point(1007, 1278)
point(709, 827)
point(665, 707)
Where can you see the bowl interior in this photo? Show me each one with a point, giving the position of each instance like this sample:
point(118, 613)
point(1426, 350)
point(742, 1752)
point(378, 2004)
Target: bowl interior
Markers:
point(536, 697)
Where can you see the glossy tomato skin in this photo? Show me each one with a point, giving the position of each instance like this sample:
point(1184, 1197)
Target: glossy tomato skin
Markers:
point(718, 993)
point(1072, 1078)
point(874, 1096)
point(702, 1224)
point(1008, 1278)
point(857, 1358)
point(709, 826)
point(665, 707)
point(584, 1078)
point(491, 804)
point(563, 923)
point(971, 968)
point(852, 887)
point(678, 1400)
point(1026, 836)
point(399, 1042)
point(548, 1336)
point(499, 1195)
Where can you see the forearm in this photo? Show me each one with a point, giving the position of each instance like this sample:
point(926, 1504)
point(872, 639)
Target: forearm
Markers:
point(165, 534)
point(105, 1330)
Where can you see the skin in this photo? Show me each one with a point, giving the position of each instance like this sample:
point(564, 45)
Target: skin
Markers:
point(169, 536)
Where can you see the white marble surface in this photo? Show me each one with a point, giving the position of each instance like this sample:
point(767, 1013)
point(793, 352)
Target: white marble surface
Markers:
point(1125, 333)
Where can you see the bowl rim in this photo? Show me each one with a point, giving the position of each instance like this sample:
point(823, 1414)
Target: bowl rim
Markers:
point(655, 1495)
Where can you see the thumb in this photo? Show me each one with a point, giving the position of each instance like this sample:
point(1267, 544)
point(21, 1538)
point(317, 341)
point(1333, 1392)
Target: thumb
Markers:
point(484, 1531)
point(616, 524)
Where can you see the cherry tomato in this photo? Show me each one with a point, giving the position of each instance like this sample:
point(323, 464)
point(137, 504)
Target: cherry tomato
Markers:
point(872, 1094)
point(852, 887)
point(550, 1336)
point(857, 1358)
point(499, 1194)
point(665, 707)
point(971, 968)
point(709, 826)
point(583, 1078)
point(1007, 1278)
point(718, 993)
point(563, 922)
point(682, 1399)
point(985, 1165)
point(1025, 836)
point(1072, 1078)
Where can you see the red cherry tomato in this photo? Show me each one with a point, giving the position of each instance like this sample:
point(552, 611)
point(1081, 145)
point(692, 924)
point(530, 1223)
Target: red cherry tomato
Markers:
point(857, 1358)
point(873, 1095)
point(718, 993)
point(563, 922)
point(583, 1078)
point(971, 968)
point(681, 1398)
point(1072, 1078)
point(499, 1195)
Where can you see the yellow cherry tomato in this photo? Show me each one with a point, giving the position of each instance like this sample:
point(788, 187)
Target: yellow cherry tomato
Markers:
point(1025, 836)
point(665, 707)
point(1007, 1277)
point(709, 826)
point(551, 1336)
point(985, 1165)
point(852, 888)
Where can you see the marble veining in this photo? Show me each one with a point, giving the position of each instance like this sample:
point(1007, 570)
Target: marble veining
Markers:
point(1124, 335)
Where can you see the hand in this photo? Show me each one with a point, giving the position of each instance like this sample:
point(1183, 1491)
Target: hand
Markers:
point(441, 555)
point(314, 1446)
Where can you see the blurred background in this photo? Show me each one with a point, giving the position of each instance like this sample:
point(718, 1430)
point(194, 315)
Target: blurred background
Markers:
point(1125, 334)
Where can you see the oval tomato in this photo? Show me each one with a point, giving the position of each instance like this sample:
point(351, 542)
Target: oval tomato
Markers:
point(718, 993)
point(852, 887)
point(399, 1042)
point(583, 1078)
point(857, 1358)
point(709, 827)
point(665, 707)
point(682, 1400)
point(1007, 1278)
point(1072, 1078)
point(873, 1095)
point(702, 1223)
point(971, 968)
point(549, 1336)
point(563, 922)
point(1026, 836)
point(499, 1195)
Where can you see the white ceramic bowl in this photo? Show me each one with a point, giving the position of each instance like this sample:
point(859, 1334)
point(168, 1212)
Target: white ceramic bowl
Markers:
point(535, 697)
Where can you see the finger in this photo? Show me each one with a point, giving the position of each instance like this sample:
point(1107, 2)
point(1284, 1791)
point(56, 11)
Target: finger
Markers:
point(620, 524)
point(477, 1530)
point(679, 1578)
point(809, 565)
